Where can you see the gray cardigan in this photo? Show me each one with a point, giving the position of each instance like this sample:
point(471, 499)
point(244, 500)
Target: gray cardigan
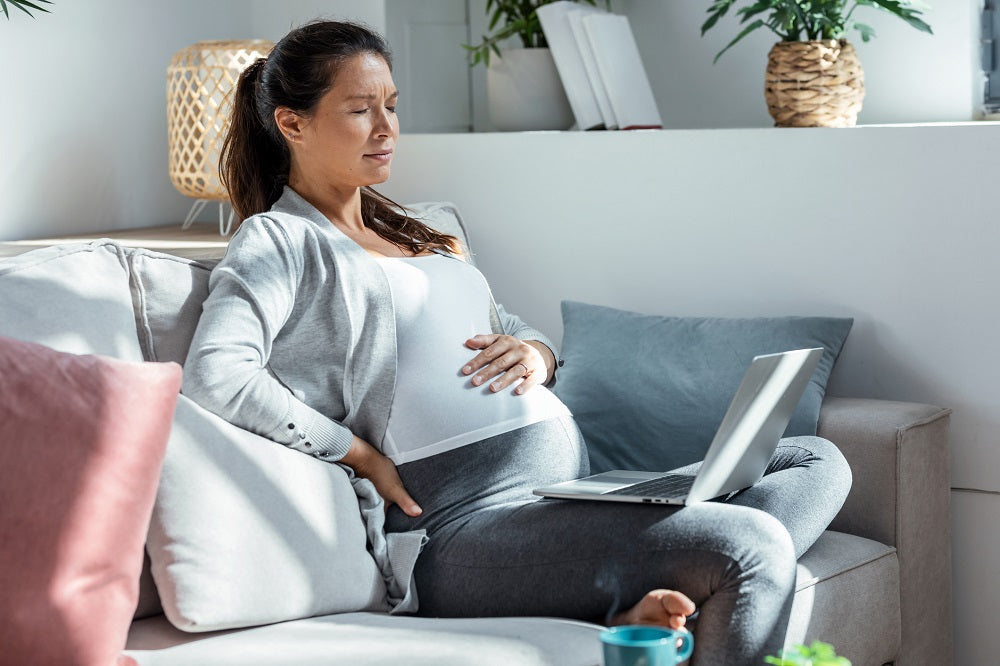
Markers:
point(297, 339)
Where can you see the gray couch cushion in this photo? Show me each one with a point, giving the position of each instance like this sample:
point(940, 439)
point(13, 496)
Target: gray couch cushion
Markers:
point(367, 639)
point(844, 582)
point(649, 392)
point(167, 293)
point(74, 298)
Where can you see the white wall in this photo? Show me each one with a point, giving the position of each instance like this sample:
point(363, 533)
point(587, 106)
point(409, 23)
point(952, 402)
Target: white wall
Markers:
point(894, 226)
point(83, 128)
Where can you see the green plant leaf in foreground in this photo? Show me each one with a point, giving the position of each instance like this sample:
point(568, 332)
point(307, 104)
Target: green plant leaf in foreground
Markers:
point(24, 5)
point(817, 654)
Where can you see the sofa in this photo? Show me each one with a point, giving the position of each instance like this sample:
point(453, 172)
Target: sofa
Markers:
point(876, 584)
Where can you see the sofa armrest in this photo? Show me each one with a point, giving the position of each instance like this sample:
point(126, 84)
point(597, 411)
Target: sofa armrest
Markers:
point(899, 455)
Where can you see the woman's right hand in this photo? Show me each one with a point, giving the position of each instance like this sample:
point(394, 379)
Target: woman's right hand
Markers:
point(368, 463)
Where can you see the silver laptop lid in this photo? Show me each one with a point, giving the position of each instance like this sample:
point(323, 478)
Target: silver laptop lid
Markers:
point(753, 424)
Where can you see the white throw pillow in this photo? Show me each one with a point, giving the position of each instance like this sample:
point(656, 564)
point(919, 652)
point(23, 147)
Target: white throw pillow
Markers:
point(246, 532)
point(74, 298)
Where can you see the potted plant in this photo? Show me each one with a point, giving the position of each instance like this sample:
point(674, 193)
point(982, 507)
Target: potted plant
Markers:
point(814, 77)
point(817, 654)
point(522, 84)
point(23, 5)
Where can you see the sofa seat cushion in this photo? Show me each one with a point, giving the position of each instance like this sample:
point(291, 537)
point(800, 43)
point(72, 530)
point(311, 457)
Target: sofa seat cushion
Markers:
point(844, 582)
point(73, 298)
point(359, 639)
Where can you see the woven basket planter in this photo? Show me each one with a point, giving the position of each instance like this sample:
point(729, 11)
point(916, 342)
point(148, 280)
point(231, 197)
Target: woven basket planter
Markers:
point(200, 80)
point(814, 84)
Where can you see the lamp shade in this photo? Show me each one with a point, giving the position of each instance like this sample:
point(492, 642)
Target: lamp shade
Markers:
point(200, 80)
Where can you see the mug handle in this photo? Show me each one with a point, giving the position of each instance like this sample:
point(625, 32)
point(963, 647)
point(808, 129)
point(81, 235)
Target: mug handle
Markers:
point(686, 647)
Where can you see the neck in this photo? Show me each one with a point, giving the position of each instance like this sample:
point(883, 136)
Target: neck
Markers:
point(340, 205)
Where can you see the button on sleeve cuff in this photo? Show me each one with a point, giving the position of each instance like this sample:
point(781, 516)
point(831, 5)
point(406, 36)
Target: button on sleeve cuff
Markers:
point(306, 430)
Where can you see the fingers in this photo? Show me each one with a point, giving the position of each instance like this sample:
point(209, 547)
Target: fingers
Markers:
point(402, 499)
point(505, 360)
point(481, 341)
point(367, 462)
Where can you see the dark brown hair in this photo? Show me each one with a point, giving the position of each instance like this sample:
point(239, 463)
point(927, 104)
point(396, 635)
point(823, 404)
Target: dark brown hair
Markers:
point(297, 73)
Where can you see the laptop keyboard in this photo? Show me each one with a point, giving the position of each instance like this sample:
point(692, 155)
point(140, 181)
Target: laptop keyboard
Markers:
point(669, 486)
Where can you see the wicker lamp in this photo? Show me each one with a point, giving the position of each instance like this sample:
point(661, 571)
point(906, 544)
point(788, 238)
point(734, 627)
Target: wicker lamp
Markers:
point(200, 79)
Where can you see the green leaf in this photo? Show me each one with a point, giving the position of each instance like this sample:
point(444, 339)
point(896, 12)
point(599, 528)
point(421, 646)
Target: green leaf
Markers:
point(716, 11)
point(906, 11)
point(24, 5)
point(746, 31)
point(796, 9)
point(748, 12)
point(497, 15)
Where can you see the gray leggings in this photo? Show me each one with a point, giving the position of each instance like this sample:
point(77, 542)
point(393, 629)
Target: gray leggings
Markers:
point(495, 549)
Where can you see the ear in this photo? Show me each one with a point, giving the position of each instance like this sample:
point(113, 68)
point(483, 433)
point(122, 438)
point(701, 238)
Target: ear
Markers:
point(290, 124)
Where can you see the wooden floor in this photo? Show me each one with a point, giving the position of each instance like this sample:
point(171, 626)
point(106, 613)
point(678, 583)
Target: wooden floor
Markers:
point(199, 241)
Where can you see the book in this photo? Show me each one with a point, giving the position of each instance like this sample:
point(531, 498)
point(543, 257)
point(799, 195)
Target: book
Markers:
point(622, 72)
point(576, 15)
point(554, 19)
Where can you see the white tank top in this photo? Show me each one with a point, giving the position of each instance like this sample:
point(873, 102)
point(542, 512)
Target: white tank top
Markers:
point(439, 303)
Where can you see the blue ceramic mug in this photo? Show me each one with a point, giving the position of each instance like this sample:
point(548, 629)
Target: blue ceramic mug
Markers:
point(635, 645)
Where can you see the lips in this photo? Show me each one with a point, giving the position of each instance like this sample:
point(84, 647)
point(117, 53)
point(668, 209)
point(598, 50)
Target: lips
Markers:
point(381, 156)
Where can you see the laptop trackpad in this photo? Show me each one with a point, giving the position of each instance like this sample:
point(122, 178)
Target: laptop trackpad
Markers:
point(608, 481)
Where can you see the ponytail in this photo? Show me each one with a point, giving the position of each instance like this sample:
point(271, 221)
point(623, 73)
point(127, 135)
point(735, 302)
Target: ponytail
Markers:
point(254, 162)
point(297, 73)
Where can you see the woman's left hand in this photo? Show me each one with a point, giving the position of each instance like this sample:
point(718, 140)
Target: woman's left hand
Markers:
point(508, 359)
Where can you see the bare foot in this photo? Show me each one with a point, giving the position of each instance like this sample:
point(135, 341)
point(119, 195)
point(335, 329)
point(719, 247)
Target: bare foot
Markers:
point(666, 608)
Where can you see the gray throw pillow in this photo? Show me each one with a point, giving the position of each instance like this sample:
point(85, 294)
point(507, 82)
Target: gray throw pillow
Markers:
point(648, 392)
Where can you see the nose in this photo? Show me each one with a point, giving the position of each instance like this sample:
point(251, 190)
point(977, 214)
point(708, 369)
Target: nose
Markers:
point(385, 123)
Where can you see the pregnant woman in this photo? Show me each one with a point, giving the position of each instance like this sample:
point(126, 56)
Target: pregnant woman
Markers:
point(340, 326)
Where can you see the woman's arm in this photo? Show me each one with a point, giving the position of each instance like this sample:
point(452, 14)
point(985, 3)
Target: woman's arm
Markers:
point(252, 295)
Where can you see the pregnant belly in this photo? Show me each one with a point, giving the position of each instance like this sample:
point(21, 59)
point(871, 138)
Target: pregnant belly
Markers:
point(426, 420)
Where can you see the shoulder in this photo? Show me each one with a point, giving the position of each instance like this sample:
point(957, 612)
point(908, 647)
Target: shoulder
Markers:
point(272, 233)
point(267, 243)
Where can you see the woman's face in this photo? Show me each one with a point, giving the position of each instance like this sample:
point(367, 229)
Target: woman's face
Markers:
point(350, 138)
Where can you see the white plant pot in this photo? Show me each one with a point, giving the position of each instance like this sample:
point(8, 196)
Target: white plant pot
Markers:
point(525, 92)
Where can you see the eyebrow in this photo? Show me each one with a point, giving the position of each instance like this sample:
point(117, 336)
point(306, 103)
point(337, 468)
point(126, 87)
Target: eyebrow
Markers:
point(372, 96)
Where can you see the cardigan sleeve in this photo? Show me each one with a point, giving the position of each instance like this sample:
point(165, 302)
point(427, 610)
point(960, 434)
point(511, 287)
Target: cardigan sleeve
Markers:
point(252, 294)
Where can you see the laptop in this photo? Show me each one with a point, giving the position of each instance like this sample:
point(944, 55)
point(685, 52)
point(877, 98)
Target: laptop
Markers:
point(739, 452)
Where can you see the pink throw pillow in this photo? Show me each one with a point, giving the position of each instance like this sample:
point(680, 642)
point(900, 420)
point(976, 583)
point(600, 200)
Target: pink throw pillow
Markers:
point(82, 440)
